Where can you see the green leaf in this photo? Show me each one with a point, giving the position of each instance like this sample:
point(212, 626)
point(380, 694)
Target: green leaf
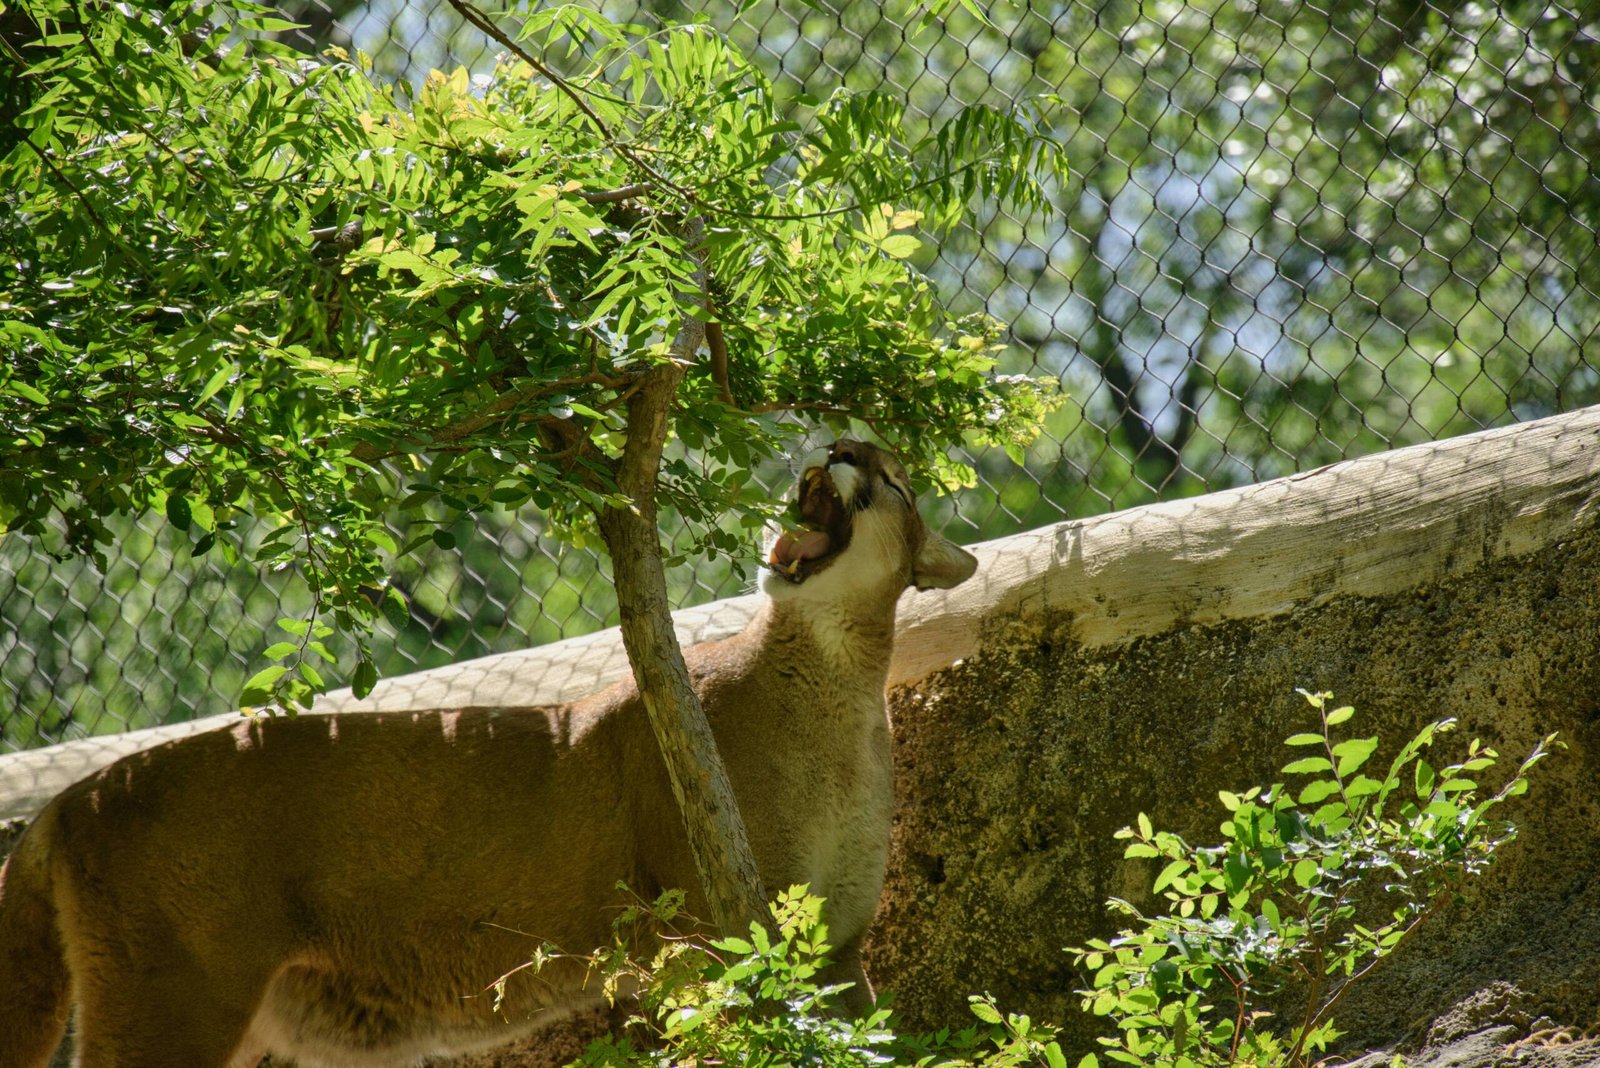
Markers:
point(1328, 813)
point(1306, 873)
point(1362, 786)
point(1318, 791)
point(1353, 753)
point(1168, 874)
point(217, 380)
point(1308, 766)
point(27, 392)
point(267, 24)
point(280, 650)
point(416, 543)
point(178, 513)
point(900, 246)
point(364, 679)
point(1236, 874)
point(1339, 715)
point(201, 515)
point(1424, 777)
point(258, 689)
point(1304, 739)
point(984, 1010)
point(394, 608)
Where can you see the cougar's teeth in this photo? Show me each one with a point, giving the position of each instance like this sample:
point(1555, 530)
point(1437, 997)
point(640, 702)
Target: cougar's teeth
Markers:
point(794, 565)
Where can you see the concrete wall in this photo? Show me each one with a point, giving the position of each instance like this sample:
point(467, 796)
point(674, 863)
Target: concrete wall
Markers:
point(1143, 660)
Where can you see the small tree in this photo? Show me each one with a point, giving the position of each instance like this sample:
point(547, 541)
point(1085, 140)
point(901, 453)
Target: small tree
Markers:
point(243, 283)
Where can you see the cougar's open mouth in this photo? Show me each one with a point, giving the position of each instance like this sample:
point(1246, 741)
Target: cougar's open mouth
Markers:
point(823, 535)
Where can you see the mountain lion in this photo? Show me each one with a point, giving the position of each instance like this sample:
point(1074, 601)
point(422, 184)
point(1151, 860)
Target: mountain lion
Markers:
point(341, 889)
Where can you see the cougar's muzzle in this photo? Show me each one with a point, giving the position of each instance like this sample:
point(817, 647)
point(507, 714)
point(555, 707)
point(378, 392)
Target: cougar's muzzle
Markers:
point(824, 533)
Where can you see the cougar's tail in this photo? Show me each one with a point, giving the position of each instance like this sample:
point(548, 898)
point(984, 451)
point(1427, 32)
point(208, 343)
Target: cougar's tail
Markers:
point(34, 983)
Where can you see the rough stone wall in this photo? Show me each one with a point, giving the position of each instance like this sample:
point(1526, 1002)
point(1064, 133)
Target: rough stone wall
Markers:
point(1016, 765)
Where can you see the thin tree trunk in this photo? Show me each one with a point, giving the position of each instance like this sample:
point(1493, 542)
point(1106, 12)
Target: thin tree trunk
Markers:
point(717, 838)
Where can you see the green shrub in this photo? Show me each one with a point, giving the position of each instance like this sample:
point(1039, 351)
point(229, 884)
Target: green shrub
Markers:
point(756, 1001)
point(1313, 887)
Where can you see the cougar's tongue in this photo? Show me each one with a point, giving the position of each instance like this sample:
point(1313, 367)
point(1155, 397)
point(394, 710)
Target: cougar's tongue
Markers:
point(795, 545)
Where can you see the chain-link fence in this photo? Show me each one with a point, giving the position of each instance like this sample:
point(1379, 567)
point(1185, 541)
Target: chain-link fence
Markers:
point(1295, 234)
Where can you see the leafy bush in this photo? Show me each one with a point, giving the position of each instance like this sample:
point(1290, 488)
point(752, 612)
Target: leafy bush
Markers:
point(1313, 888)
point(757, 1001)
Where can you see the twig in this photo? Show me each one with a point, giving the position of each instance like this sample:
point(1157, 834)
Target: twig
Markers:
point(1239, 988)
point(494, 410)
point(718, 344)
point(1333, 999)
point(343, 238)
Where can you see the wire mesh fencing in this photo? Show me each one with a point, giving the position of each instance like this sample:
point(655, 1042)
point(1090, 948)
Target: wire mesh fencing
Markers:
point(1296, 233)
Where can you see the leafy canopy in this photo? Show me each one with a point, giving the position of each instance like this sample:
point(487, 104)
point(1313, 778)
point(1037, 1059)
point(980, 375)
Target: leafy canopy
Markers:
point(240, 284)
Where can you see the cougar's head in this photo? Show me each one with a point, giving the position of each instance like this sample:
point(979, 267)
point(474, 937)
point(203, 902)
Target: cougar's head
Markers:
point(859, 532)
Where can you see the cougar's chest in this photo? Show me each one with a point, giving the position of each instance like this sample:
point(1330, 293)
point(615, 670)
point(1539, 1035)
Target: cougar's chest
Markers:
point(821, 812)
point(803, 731)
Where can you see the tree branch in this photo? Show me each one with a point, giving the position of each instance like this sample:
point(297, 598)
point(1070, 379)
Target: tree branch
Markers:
point(612, 196)
point(81, 197)
point(718, 344)
point(495, 410)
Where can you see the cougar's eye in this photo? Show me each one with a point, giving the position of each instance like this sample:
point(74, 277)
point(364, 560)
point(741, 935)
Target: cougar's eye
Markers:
point(892, 484)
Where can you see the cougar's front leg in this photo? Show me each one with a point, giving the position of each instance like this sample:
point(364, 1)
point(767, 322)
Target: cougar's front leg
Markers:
point(857, 1000)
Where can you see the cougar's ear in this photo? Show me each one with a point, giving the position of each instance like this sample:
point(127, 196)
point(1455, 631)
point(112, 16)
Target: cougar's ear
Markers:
point(941, 564)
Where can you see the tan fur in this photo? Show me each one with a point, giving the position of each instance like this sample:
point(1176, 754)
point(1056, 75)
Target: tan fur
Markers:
point(342, 889)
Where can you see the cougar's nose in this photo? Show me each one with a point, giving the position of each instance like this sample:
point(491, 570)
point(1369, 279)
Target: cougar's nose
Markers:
point(843, 467)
